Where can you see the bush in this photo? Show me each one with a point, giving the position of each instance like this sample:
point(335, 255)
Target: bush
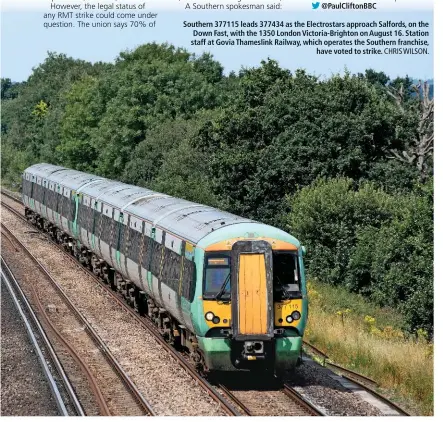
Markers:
point(326, 216)
point(398, 259)
point(374, 243)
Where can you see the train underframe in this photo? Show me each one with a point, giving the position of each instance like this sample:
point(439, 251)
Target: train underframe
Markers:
point(220, 353)
point(172, 331)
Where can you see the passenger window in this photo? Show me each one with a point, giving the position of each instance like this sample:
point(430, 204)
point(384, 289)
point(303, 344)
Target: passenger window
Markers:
point(188, 283)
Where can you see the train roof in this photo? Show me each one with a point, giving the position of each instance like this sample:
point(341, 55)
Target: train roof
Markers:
point(72, 179)
point(186, 219)
point(43, 170)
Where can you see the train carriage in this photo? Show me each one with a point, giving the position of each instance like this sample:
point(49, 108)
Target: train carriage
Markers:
point(229, 289)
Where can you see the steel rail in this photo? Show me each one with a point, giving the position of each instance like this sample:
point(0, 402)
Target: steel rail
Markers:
point(354, 376)
point(104, 410)
point(12, 285)
point(235, 399)
point(213, 393)
point(301, 401)
point(95, 337)
point(184, 363)
point(339, 367)
point(378, 395)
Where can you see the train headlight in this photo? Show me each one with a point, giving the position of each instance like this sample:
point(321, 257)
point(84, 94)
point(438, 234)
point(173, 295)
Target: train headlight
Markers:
point(216, 320)
point(296, 315)
point(289, 319)
point(209, 316)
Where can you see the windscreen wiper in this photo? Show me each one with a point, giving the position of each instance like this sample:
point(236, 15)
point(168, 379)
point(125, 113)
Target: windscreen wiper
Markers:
point(283, 289)
point(223, 287)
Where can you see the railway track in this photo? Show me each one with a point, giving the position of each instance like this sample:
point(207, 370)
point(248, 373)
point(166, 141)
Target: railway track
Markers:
point(113, 390)
point(282, 400)
point(235, 402)
point(352, 374)
point(61, 388)
point(362, 381)
point(184, 363)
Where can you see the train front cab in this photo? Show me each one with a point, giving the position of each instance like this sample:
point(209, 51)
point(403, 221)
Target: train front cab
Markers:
point(254, 305)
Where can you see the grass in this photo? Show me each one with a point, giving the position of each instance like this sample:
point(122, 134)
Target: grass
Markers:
point(365, 338)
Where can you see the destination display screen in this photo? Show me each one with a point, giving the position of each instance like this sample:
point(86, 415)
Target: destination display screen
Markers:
point(218, 261)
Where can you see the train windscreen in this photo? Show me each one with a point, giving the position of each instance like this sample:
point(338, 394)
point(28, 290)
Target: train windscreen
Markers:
point(217, 277)
point(286, 275)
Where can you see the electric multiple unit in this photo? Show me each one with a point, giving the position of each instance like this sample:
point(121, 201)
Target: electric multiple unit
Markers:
point(227, 288)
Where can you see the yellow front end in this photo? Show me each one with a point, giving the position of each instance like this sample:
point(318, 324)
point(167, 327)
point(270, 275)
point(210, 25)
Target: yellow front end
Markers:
point(267, 305)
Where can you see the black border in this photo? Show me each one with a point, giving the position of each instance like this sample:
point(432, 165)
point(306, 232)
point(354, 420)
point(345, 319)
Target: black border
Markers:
point(252, 247)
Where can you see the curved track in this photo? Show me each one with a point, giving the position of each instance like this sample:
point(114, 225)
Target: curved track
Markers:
point(236, 403)
point(133, 395)
point(335, 366)
point(359, 379)
point(43, 347)
point(184, 363)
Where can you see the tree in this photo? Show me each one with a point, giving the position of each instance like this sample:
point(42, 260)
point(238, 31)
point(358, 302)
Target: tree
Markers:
point(85, 105)
point(396, 259)
point(207, 66)
point(327, 215)
point(376, 244)
point(282, 131)
point(419, 148)
point(10, 90)
point(147, 87)
point(374, 77)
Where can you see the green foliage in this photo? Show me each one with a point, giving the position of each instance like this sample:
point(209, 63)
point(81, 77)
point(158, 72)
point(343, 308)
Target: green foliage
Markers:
point(183, 175)
point(393, 176)
point(373, 243)
point(374, 77)
point(281, 132)
point(147, 87)
point(327, 215)
point(10, 89)
point(398, 258)
point(40, 110)
point(13, 163)
point(335, 299)
point(166, 161)
point(35, 131)
point(80, 120)
point(256, 143)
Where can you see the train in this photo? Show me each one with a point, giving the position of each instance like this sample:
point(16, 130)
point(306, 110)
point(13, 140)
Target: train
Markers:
point(229, 290)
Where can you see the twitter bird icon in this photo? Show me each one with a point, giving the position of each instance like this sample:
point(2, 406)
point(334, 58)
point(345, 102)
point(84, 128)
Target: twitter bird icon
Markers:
point(315, 5)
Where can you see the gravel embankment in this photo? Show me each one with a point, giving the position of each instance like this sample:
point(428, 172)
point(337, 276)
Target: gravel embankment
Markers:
point(25, 390)
point(167, 387)
point(313, 382)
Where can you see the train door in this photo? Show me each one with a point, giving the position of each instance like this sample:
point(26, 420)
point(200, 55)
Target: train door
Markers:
point(252, 303)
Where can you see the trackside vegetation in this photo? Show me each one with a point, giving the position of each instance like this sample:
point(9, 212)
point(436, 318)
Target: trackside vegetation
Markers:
point(343, 162)
point(369, 339)
point(372, 242)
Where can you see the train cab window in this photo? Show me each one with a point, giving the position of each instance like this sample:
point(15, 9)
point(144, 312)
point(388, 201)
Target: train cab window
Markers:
point(286, 276)
point(217, 283)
